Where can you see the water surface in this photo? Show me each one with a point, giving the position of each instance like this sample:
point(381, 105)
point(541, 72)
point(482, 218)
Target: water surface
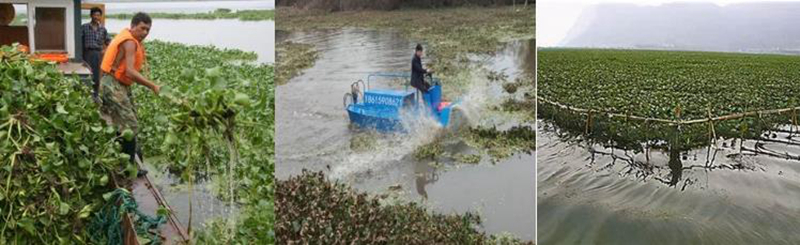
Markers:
point(589, 194)
point(253, 36)
point(313, 132)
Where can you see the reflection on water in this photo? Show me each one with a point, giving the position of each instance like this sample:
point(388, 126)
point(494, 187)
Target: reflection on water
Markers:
point(425, 174)
point(731, 192)
point(312, 132)
point(503, 194)
point(254, 36)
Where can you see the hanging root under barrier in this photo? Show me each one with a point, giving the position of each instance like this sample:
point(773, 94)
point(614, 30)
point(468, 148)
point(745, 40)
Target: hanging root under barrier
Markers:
point(759, 113)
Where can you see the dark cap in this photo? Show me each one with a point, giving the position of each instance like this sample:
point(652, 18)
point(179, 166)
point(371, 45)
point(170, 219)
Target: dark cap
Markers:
point(419, 47)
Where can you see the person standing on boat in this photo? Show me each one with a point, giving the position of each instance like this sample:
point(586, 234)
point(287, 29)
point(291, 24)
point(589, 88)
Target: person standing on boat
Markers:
point(95, 40)
point(418, 72)
point(122, 64)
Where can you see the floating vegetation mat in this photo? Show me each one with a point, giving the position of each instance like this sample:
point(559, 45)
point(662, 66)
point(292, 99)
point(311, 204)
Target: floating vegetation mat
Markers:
point(458, 31)
point(503, 143)
point(314, 210)
point(497, 143)
point(631, 97)
point(293, 58)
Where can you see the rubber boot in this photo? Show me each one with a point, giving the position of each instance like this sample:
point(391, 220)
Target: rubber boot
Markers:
point(129, 147)
point(96, 92)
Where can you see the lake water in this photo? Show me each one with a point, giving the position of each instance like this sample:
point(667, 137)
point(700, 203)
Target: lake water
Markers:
point(253, 36)
point(312, 132)
point(589, 194)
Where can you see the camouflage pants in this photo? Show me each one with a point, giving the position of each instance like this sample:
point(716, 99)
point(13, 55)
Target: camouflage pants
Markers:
point(117, 106)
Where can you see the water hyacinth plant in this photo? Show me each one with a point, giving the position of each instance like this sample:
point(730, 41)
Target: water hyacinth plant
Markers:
point(315, 210)
point(215, 117)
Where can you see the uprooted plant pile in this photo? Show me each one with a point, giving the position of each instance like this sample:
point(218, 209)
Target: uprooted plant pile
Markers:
point(58, 156)
point(312, 209)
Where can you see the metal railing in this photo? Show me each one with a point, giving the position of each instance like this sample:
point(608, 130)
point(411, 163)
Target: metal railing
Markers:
point(403, 75)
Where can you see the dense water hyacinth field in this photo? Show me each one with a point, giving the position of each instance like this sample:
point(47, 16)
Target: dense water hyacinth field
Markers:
point(658, 147)
point(654, 83)
point(214, 118)
point(671, 85)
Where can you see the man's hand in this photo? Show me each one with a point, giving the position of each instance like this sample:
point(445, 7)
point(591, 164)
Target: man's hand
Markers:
point(156, 89)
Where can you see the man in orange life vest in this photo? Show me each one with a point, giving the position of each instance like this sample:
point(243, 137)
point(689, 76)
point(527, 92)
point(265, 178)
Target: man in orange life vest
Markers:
point(121, 66)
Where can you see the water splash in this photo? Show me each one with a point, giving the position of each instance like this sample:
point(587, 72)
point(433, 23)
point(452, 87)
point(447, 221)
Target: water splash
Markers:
point(390, 148)
point(421, 129)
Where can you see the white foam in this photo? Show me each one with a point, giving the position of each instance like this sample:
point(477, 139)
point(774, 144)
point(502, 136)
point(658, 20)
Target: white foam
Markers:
point(421, 129)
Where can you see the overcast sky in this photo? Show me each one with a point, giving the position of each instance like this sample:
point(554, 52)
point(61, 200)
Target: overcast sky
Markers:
point(554, 18)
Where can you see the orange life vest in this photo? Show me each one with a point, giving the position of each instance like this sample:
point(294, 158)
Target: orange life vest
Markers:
point(111, 54)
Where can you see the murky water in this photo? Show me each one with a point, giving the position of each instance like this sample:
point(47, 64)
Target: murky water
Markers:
point(254, 36)
point(724, 194)
point(205, 203)
point(312, 133)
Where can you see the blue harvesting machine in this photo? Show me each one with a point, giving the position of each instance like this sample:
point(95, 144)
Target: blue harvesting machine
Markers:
point(384, 109)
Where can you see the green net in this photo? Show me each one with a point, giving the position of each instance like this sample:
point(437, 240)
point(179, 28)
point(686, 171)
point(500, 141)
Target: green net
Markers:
point(106, 227)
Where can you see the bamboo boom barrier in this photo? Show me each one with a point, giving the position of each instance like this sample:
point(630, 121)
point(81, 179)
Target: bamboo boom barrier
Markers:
point(672, 122)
